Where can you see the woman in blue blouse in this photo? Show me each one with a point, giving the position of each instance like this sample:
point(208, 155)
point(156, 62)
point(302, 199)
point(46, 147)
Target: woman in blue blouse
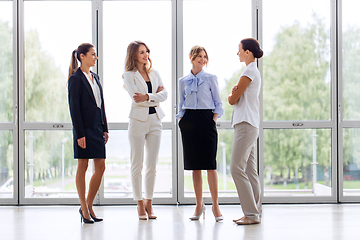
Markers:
point(199, 108)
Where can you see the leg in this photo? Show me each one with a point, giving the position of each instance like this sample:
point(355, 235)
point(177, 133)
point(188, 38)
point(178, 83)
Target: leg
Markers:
point(136, 158)
point(213, 186)
point(141, 210)
point(95, 182)
point(197, 181)
point(137, 133)
point(251, 172)
point(245, 136)
point(152, 146)
point(81, 185)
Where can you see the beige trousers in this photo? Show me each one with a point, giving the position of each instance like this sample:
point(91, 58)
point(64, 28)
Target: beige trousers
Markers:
point(144, 134)
point(244, 171)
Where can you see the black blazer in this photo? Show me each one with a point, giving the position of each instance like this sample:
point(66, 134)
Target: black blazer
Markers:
point(82, 103)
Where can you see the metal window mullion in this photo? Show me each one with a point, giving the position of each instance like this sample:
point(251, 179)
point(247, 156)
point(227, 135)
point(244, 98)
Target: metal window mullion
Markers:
point(342, 124)
point(174, 76)
point(21, 101)
point(179, 73)
point(334, 30)
point(258, 10)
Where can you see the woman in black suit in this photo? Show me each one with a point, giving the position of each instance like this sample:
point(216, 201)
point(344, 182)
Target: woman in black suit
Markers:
point(90, 128)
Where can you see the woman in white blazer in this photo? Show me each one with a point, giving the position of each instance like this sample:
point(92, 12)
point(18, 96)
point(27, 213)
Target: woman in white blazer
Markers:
point(146, 89)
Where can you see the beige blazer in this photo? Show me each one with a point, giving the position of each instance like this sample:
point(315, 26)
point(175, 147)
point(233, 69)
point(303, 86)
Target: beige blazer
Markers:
point(135, 83)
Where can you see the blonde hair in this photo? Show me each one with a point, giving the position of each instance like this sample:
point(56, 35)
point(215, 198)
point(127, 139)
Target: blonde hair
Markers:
point(194, 52)
point(131, 57)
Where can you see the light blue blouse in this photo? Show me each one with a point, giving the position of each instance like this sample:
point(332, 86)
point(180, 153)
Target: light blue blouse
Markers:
point(199, 92)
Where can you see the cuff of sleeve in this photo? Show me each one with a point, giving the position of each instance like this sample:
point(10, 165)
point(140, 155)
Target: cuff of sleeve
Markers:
point(180, 115)
point(219, 111)
point(151, 97)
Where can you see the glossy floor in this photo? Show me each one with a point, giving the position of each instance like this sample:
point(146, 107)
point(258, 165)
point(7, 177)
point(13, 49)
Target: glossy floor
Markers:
point(321, 221)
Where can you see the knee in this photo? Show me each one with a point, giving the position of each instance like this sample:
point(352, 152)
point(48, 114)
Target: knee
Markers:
point(100, 168)
point(235, 169)
point(82, 166)
point(211, 172)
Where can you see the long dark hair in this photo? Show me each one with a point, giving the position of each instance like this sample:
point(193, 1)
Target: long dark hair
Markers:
point(253, 46)
point(75, 57)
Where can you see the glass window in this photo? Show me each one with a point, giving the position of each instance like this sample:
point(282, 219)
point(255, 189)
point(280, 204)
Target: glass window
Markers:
point(50, 167)
point(296, 61)
point(53, 29)
point(124, 22)
point(351, 162)
point(297, 162)
point(6, 164)
point(351, 59)
point(218, 26)
point(6, 61)
point(117, 180)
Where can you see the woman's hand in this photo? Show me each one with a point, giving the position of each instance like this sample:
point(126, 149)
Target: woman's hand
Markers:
point(234, 89)
point(215, 117)
point(160, 88)
point(106, 137)
point(139, 97)
point(81, 142)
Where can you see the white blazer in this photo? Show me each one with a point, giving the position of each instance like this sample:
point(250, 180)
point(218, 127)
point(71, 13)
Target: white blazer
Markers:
point(135, 83)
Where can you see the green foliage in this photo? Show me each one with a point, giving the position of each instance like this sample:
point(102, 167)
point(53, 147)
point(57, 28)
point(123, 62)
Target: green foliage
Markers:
point(297, 86)
point(351, 73)
point(6, 100)
point(6, 72)
point(45, 101)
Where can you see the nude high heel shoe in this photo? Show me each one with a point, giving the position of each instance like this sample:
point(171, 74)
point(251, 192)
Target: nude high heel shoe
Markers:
point(142, 217)
point(217, 219)
point(203, 208)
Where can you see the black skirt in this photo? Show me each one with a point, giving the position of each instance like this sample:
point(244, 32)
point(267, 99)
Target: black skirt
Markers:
point(199, 139)
point(94, 138)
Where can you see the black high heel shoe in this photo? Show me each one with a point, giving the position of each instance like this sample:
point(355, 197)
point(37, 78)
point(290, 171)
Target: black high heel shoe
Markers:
point(96, 219)
point(82, 219)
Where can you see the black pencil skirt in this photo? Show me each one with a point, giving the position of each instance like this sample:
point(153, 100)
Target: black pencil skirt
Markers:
point(94, 138)
point(199, 139)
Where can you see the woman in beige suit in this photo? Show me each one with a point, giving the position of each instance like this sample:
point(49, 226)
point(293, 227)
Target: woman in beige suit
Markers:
point(146, 89)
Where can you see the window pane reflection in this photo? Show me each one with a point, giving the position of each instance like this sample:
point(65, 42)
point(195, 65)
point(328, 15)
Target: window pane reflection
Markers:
point(351, 162)
point(6, 61)
point(297, 162)
point(52, 32)
point(50, 167)
point(6, 164)
point(351, 59)
point(296, 61)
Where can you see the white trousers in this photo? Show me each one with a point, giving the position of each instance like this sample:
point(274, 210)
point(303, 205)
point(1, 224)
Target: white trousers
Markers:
point(142, 134)
point(244, 171)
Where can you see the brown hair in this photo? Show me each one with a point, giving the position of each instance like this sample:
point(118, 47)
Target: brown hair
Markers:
point(75, 56)
point(131, 57)
point(253, 46)
point(194, 52)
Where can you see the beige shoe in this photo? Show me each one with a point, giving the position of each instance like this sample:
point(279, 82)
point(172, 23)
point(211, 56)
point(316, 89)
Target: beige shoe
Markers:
point(142, 217)
point(235, 220)
point(150, 214)
point(247, 221)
